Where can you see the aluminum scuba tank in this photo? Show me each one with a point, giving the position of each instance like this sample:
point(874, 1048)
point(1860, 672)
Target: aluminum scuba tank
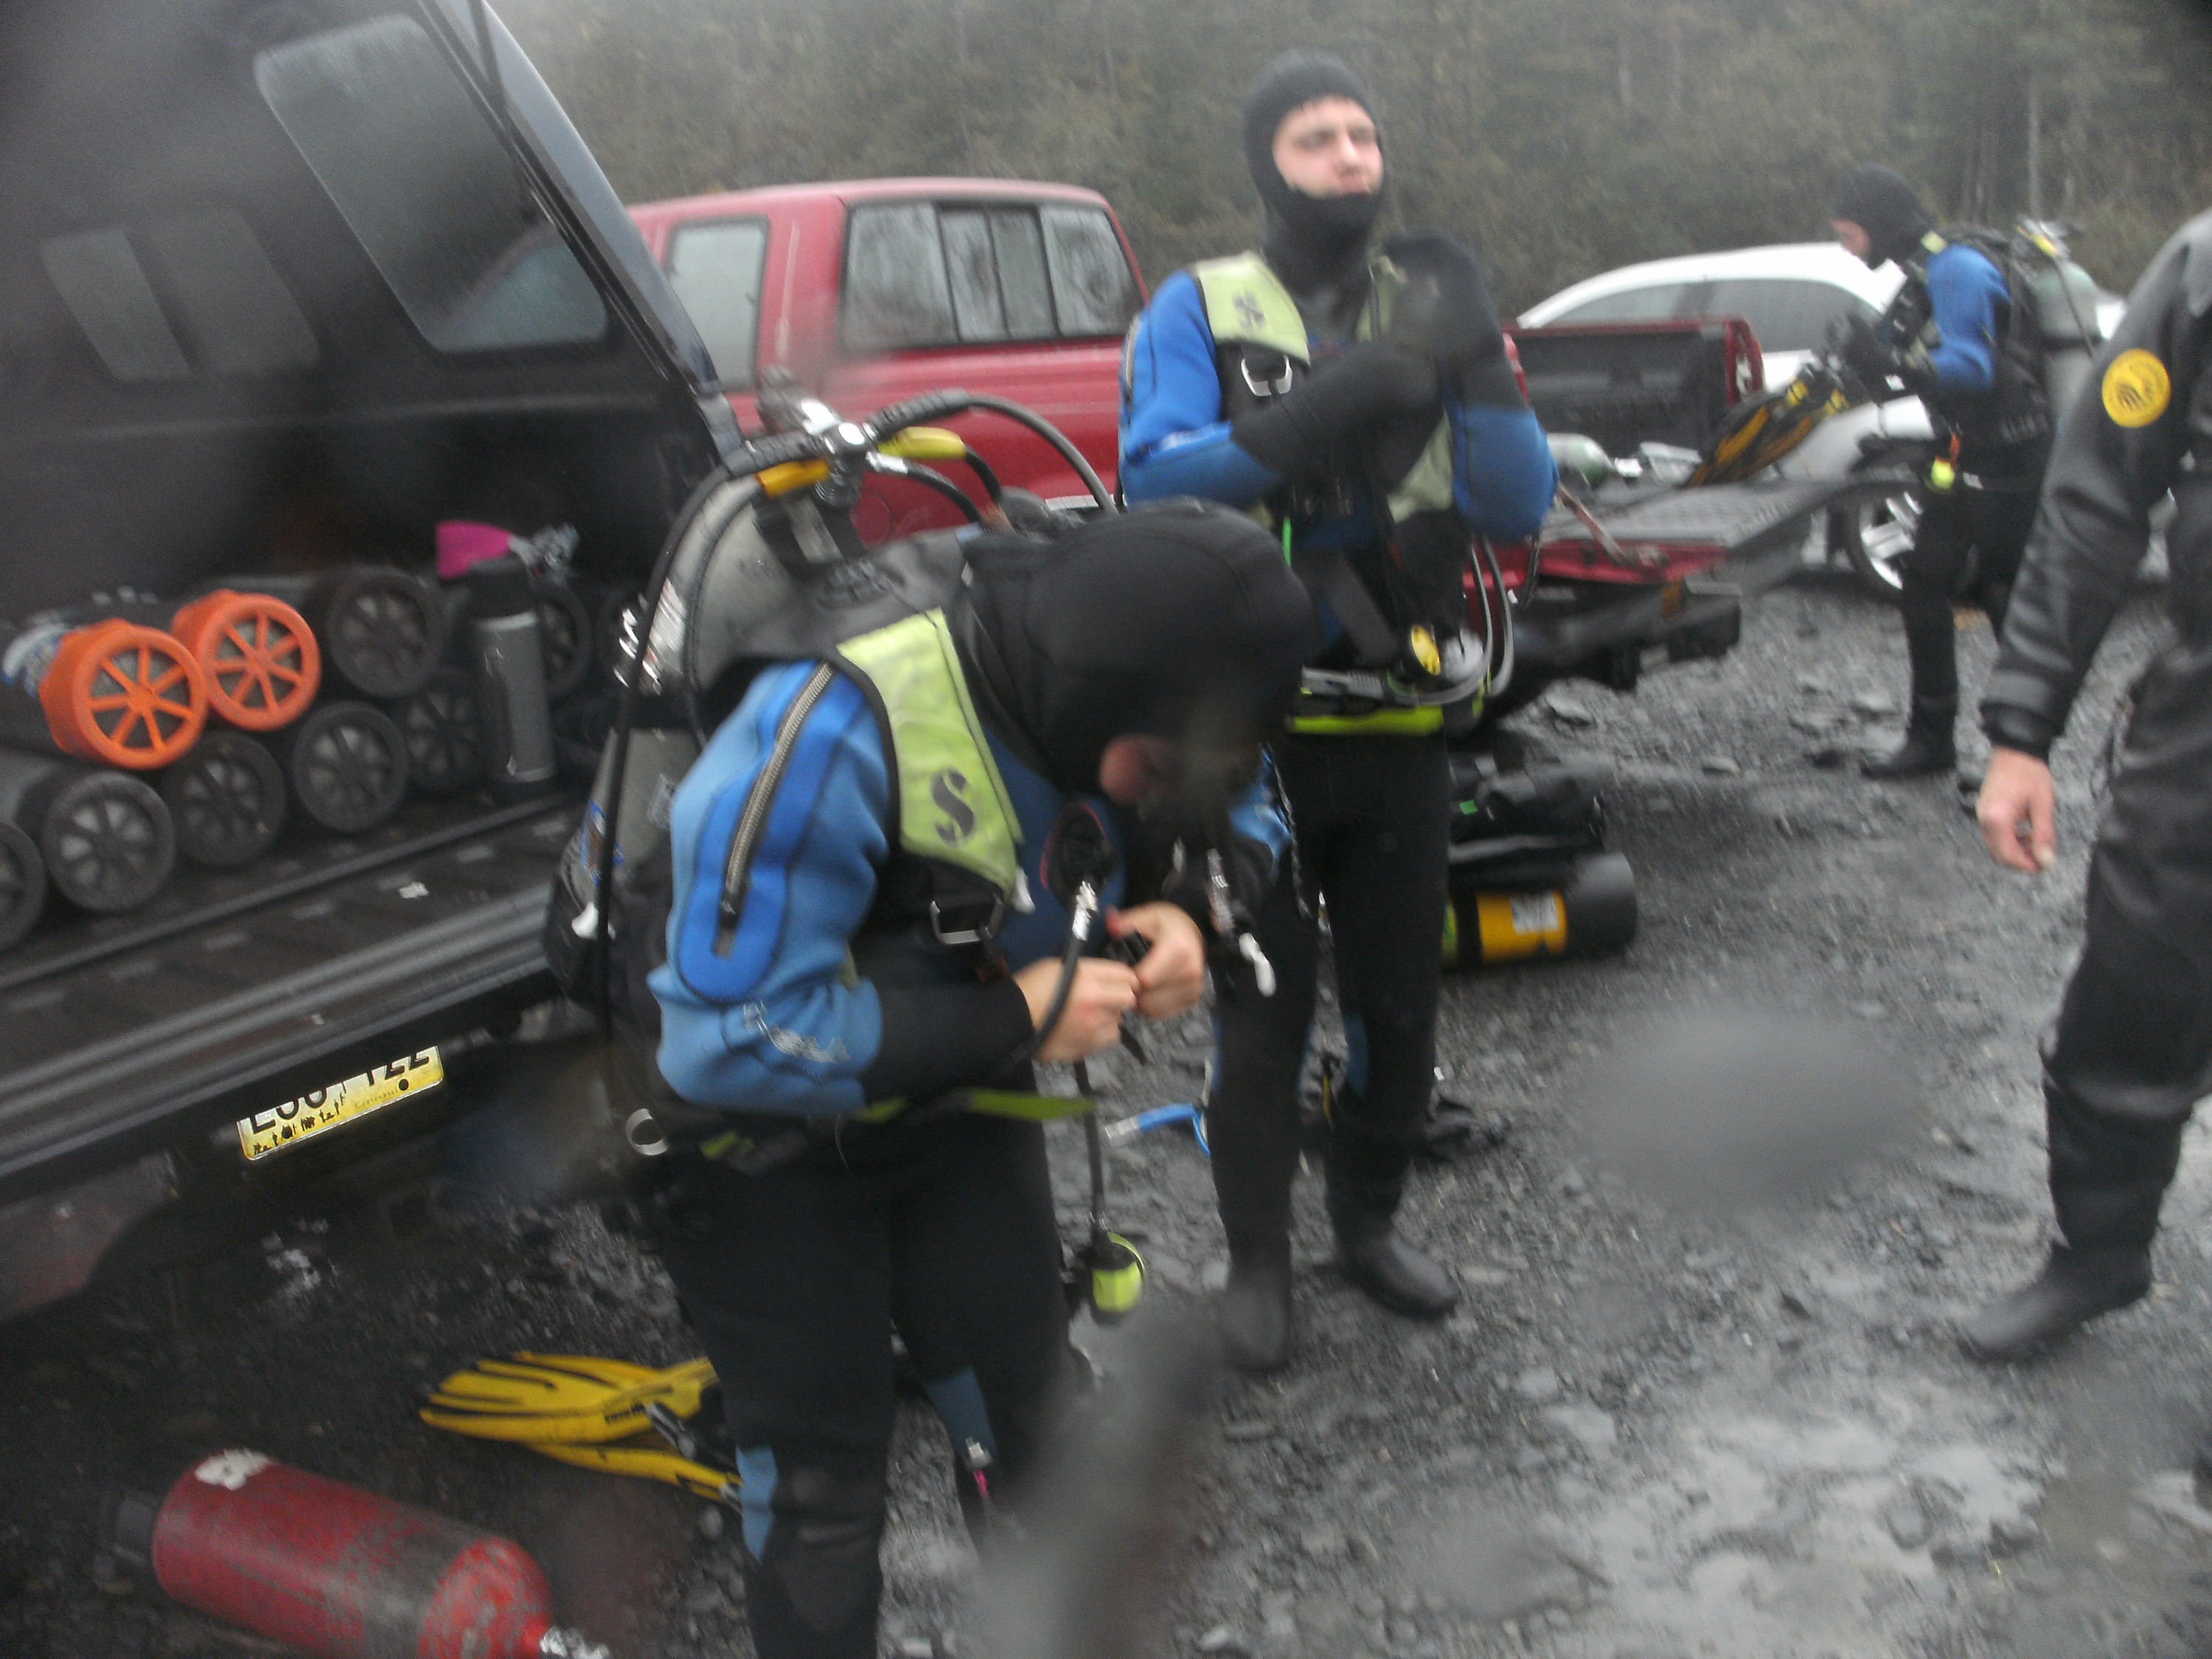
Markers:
point(331, 1570)
point(228, 799)
point(103, 689)
point(1584, 906)
point(508, 653)
point(107, 840)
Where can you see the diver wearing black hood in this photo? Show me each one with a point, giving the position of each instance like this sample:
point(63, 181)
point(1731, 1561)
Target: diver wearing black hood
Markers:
point(819, 989)
point(1361, 403)
point(1945, 338)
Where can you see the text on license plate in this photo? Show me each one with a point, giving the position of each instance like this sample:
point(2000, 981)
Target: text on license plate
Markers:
point(323, 1110)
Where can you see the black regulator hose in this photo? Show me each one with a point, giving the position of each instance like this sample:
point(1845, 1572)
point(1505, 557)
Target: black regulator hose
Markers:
point(943, 405)
point(893, 467)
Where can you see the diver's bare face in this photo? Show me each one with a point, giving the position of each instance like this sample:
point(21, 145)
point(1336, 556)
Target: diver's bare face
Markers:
point(1329, 148)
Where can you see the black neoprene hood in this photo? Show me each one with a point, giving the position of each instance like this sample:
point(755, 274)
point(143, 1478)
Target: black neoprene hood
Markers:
point(1880, 202)
point(1308, 234)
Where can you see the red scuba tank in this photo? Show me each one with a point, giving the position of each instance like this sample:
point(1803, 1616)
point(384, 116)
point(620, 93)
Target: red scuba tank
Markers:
point(334, 1570)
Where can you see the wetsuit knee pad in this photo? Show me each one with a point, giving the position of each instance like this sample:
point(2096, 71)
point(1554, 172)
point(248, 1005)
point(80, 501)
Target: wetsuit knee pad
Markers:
point(820, 1554)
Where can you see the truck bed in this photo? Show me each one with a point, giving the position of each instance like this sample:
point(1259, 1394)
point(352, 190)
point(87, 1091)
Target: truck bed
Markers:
point(236, 992)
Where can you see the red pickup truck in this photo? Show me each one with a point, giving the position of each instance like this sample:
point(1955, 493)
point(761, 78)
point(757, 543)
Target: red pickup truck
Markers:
point(874, 291)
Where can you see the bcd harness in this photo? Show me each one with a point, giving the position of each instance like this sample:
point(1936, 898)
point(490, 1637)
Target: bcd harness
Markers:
point(2048, 321)
point(1263, 349)
point(952, 875)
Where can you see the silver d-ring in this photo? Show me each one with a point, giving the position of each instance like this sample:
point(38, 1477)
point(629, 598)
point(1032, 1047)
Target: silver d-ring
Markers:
point(643, 1132)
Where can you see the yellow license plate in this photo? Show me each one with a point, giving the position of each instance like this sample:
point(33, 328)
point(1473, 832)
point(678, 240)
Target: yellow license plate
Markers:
point(321, 1110)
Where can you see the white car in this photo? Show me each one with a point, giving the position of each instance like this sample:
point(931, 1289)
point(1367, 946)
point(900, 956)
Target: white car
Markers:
point(1792, 293)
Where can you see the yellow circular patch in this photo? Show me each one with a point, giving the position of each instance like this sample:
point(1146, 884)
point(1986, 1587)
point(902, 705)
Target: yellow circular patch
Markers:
point(1423, 645)
point(2137, 389)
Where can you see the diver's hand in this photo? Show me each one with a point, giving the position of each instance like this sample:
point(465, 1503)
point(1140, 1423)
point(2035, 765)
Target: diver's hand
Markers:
point(2018, 811)
point(1104, 991)
point(1172, 975)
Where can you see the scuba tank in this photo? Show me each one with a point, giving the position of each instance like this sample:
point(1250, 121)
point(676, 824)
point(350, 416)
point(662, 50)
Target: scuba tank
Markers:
point(2062, 299)
point(380, 630)
point(347, 765)
point(442, 726)
point(23, 885)
point(330, 1570)
point(103, 689)
point(256, 652)
point(228, 798)
point(508, 653)
point(106, 839)
point(1547, 910)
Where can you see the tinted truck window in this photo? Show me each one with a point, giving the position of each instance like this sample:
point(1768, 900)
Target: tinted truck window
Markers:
point(923, 275)
point(715, 270)
point(1090, 283)
point(896, 289)
point(384, 122)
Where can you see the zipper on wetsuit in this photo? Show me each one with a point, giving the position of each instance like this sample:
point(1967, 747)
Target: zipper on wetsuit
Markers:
point(736, 872)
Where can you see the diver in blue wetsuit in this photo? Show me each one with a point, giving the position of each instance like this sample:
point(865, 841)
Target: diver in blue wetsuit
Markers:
point(1948, 338)
point(866, 860)
point(1360, 402)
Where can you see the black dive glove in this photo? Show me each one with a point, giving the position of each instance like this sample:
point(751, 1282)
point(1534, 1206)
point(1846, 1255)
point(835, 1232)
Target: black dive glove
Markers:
point(1445, 311)
point(1324, 426)
point(1867, 354)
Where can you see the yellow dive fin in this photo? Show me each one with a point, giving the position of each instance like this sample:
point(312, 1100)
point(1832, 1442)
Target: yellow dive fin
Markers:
point(562, 1399)
point(648, 1461)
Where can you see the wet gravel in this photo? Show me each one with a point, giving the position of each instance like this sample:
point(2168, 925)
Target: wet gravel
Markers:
point(1671, 1419)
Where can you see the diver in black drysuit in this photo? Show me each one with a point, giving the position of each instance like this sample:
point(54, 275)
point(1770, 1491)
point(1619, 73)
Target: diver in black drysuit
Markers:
point(1944, 338)
point(2131, 1050)
point(1327, 448)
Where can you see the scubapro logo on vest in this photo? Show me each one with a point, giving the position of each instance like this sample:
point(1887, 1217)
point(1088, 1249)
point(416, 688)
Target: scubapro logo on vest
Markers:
point(960, 817)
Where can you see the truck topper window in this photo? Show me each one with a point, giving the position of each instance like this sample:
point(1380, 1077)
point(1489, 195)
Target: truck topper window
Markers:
point(716, 269)
point(387, 126)
point(973, 274)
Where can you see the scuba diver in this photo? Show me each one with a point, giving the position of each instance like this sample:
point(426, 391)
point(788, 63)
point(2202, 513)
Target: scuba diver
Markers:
point(2131, 1050)
point(1360, 402)
point(1951, 339)
point(865, 954)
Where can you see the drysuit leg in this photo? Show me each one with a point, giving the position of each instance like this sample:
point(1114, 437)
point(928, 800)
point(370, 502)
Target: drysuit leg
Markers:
point(976, 1294)
point(2131, 1050)
point(1933, 574)
point(1252, 1115)
point(1385, 879)
point(2002, 518)
point(786, 1276)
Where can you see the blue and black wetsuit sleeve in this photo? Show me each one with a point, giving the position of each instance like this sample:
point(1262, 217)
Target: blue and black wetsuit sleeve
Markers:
point(776, 836)
point(1173, 440)
point(1966, 291)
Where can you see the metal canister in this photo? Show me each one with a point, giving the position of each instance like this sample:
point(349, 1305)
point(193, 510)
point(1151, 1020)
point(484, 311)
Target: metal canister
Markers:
point(508, 655)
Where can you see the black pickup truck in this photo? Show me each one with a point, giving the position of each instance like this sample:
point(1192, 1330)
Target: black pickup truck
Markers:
point(283, 284)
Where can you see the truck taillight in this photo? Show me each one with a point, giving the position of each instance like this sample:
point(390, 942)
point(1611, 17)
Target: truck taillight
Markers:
point(1520, 375)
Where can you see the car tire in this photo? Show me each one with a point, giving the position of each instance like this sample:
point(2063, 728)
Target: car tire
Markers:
point(1873, 537)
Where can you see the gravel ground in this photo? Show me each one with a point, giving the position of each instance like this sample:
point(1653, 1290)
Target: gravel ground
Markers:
point(1682, 1412)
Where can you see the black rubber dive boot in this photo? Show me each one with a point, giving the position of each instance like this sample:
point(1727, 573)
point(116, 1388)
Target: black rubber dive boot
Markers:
point(1928, 748)
point(1256, 1307)
point(2074, 1287)
point(1374, 1258)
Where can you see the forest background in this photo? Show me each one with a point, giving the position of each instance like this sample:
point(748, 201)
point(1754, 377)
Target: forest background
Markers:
point(1560, 137)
